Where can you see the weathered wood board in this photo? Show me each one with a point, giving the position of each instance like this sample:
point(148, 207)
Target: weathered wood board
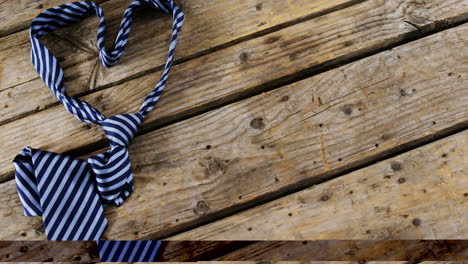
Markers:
point(321, 250)
point(24, 251)
point(194, 170)
point(191, 251)
point(210, 24)
point(48, 251)
point(230, 73)
point(350, 250)
point(421, 193)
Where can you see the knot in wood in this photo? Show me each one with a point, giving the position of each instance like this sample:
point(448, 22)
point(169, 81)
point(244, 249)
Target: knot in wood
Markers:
point(347, 110)
point(23, 249)
point(213, 165)
point(396, 166)
point(40, 229)
point(257, 123)
point(202, 207)
point(244, 56)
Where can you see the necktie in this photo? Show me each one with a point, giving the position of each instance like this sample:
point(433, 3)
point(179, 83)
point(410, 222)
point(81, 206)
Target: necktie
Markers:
point(128, 251)
point(70, 193)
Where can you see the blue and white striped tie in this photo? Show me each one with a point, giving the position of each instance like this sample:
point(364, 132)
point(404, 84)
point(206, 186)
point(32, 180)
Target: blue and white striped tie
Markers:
point(128, 251)
point(70, 193)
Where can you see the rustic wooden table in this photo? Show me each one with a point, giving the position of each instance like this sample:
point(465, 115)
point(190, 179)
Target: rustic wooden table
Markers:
point(299, 119)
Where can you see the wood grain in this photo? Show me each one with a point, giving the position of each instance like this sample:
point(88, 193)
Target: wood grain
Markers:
point(421, 193)
point(219, 77)
point(350, 250)
point(190, 251)
point(189, 172)
point(208, 24)
point(367, 251)
point(17, 15)
point(316, 250)
point(48, 251)
point(24, 251)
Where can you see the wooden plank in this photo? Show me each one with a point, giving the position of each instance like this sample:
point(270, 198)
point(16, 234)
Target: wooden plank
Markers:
point(316, 250)
point(190, 251)
point(48, 251)
point(350, 250)
point(17, 15)
point(191, 171)
point(292, 251)
point(208, 25)
point(24, 251)
point(420, 194)
point(218, 77)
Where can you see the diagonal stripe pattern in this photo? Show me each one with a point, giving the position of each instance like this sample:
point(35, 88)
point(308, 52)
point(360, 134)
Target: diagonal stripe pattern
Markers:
point(70, 193)
point(128, 251)
point(61, 190)
point(114, 178)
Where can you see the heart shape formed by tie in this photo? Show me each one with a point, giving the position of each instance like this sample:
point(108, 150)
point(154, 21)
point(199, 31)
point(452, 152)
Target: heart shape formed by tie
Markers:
point(70, 193)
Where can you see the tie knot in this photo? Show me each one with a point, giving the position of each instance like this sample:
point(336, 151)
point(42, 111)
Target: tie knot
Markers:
point(120, 129)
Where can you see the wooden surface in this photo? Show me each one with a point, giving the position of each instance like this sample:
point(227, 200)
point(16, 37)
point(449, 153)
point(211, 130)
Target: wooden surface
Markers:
point(48, 251)
point(352, 250)
point(201, 84)
point(191, 251)
point(182, 180)
point(365, 100)
point(17, 15)
point(393, 199)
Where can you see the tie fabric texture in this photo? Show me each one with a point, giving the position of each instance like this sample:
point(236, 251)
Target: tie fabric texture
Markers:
point(70, 193)
point(128, 251)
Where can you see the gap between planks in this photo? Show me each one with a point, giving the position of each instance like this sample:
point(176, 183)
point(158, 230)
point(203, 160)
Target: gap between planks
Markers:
point(253, 153)
point(193, 92)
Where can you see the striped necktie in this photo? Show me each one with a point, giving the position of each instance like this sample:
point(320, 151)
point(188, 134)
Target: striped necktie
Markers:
point(128, 251)
point(70, 193)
